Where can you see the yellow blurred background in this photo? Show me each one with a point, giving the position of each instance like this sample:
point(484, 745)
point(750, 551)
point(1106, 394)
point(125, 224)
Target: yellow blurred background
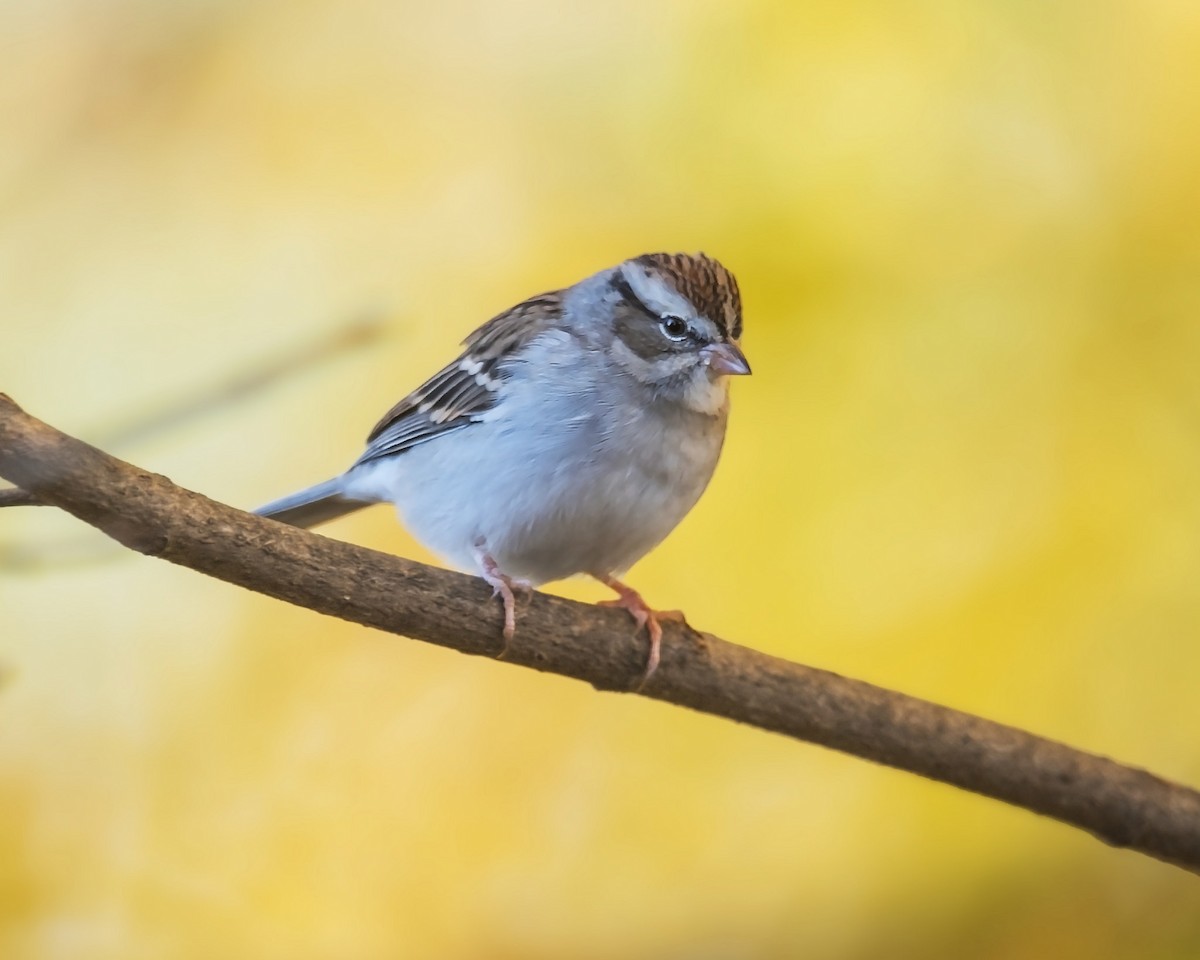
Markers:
point(967, 466)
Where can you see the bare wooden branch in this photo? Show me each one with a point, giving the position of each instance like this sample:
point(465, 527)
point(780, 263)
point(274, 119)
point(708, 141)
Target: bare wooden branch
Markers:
point(16, 497)
point(1121, 805)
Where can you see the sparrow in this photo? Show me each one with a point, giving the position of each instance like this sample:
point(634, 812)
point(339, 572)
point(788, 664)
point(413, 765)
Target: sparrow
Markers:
point(571, 435)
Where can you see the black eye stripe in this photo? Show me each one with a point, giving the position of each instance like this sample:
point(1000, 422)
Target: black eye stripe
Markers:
point(621, 285)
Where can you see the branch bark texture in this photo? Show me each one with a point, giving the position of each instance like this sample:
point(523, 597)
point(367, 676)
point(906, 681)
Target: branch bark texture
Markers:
point(1121, 805)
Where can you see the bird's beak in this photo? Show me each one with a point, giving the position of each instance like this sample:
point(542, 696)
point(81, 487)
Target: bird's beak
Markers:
point(727, 359)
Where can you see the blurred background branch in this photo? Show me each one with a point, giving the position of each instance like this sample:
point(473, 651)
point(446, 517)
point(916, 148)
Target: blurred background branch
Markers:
point(1121, 805)
point(173, 413)
point(241, 384)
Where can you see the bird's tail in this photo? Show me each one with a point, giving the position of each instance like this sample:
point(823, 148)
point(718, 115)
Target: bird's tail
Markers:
point(319, 503)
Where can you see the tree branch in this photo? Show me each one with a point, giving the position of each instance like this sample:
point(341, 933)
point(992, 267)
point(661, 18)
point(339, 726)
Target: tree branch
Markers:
point(1121, 805)
point(16, 497)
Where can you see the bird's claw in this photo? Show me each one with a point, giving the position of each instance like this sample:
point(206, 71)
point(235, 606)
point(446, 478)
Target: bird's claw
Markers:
point(629, 599)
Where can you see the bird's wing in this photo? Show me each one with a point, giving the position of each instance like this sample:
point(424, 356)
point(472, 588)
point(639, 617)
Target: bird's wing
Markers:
point(462, 392)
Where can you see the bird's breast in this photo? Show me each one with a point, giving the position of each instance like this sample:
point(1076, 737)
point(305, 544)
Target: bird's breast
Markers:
point(564, 477)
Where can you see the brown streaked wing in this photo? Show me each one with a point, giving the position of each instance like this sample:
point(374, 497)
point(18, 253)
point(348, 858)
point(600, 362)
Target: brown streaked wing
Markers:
point(458, 394)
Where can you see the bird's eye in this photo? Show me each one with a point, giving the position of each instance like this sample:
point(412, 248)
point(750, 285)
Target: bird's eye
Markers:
point(674, 327)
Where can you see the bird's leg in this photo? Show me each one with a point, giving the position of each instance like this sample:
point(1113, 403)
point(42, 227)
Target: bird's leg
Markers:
point(502, 586)
point(629, 599)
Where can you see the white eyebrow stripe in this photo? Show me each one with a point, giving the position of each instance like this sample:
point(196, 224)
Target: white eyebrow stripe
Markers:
point(655, 293)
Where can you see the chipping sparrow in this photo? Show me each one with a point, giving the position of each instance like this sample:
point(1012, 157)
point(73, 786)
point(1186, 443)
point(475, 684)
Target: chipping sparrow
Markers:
point(571, 436)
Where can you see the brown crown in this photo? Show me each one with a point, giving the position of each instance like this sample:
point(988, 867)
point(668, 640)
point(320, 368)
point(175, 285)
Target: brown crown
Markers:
point(708, 286)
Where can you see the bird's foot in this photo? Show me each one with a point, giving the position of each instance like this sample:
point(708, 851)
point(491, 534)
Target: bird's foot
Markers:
point(504, 587)
point(629, 599)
